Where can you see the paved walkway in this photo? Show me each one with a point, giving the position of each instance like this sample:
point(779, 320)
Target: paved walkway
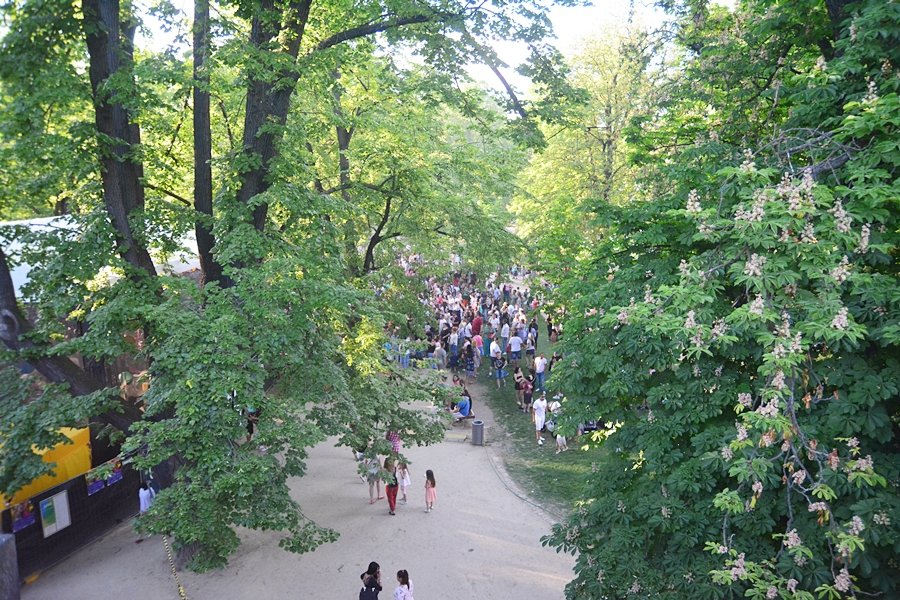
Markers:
point(481, 541)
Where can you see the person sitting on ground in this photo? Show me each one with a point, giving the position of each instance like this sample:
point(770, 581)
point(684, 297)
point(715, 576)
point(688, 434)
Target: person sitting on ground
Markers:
point(463, 408)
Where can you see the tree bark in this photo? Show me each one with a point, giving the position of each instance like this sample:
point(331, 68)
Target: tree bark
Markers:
point(203, 191)
point(344, 137)
point(110, 51)
point(268, 99)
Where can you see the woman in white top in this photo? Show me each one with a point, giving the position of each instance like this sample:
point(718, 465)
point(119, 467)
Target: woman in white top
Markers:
point(404, 590)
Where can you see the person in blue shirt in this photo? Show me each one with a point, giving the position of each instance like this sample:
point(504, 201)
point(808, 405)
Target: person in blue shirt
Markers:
point(463, 408)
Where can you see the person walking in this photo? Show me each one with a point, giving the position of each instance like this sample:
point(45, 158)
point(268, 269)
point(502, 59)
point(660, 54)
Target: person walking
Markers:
point(404, 589)
point(371, 582)
point(430, 490)
point(540, 371)
point(403, 479)
point(519, 381)
point(538, 415)
point(146, 495)
point(499, 364)
point(391, 487)
point(373, 479)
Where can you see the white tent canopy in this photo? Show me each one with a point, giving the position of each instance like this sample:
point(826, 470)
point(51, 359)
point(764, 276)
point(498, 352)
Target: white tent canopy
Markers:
point(184, 261)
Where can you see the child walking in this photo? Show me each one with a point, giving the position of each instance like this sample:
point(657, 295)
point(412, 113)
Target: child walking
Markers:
point(403, 478)
point(430, 490)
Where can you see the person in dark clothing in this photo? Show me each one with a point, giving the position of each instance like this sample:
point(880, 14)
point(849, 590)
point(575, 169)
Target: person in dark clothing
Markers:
point(371, 581)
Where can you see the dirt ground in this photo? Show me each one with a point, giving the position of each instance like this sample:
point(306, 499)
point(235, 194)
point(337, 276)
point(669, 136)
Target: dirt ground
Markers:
point(481, 541)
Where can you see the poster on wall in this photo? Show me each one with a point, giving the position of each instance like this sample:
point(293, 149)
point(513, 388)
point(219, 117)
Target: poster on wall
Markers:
point(116, 474)
point(23, 515)
point(55, 513)
point(95, 483)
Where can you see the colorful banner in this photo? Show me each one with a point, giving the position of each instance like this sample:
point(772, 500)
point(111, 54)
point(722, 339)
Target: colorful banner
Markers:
point(115, 475)
point(23, 515)
point(106, 474)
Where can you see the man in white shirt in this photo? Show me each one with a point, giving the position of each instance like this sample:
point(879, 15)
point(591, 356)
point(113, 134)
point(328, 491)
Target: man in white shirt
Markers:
point(540, 371)
point(504, 336)
point(515, 350)
point(538, 415)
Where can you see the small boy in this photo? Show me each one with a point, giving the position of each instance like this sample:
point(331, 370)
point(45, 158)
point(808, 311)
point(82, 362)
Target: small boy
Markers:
point(499, 363)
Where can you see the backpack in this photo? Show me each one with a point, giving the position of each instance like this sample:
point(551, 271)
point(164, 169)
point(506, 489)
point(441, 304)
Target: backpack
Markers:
point(369, 590)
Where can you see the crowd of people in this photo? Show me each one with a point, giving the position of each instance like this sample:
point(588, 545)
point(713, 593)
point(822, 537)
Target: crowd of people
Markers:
point(469, 325)
point(470, 329)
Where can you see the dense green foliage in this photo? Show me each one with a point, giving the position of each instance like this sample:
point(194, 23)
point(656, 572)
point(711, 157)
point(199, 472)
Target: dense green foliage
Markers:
point(736, 320)
point(330, 153)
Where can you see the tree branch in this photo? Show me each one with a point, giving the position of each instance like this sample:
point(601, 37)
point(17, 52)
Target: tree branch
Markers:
point(166, 192)
point(370, 28)
point(485, 54)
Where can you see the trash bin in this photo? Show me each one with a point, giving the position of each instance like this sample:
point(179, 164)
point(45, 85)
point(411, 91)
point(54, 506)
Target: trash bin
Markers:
point(478, 432)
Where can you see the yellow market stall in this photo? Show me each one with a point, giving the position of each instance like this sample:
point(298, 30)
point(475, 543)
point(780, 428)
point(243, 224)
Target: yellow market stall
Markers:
point(71, 460)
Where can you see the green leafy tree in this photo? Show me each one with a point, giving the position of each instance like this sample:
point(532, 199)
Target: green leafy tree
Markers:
point(276, 322)
point(736, 326)
point(585, 161)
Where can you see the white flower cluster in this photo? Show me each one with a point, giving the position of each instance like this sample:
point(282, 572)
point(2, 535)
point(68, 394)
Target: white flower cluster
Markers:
point(684, 268)
point(842, 582)
point(792, 539)
point(818, 507)
point(693, 203)
point(770, 409)
point(748, 166)
point(840, 320)
point(864, 235)
point(882, 519)
point(842, 218)
point(856, 526)
point(778, 381)
point(754, 266)
point(690, 322)
point(648, 295)
point(871, 91)
point(741, 432)
point(745, 399)
point(756, 307)
point(842, 271)
point(799, 477)
point(757, 488)
point(757, 210)
point(809, 234)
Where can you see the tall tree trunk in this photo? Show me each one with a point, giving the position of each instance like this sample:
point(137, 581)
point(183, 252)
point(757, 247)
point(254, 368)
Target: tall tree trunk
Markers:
point(369, 263)
point(344, 136)
point(268, 99)
point(110, 52)
point(203, 192)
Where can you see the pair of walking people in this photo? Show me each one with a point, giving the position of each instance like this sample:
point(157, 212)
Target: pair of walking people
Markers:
point(371, 584)
point(397, 481)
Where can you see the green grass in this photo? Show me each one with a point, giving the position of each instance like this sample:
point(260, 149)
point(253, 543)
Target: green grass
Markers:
point(553, 480)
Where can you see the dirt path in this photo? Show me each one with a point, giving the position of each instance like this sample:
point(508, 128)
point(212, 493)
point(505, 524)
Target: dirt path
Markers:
point(481, 541)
